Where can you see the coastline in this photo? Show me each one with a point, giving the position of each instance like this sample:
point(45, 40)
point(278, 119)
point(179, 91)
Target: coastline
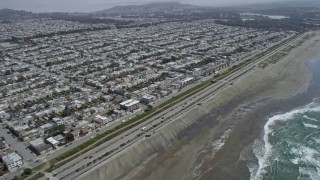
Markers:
point(238, 151)
point(172, 148)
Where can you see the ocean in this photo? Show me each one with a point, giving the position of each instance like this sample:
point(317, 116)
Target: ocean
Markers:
point(290, 147)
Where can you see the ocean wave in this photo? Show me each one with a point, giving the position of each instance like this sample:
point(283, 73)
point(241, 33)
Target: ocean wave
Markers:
point(310, 125)
point(211, 148)
point(306, 155)
point(316, 140)
point(310, 118)
point(264, 152)
point(308, 173)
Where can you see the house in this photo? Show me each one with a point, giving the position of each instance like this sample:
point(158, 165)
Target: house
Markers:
point(2, 145)
point(83, 126)
point(58, 121)
point(4, 115)
point(20, 130)
point(60, 138)
point(57, 140)
point(106, 98)
point(101, 120)
point(39, 146)
point(147, 99)
point(12, 161)
point(31, 135)
point(53, 142)
point(46, 127)
point(186, 81)
point(129, 105)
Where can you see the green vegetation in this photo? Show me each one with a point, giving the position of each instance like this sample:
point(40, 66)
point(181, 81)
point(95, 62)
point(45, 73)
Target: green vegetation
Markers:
point(18, 178)
point(39, 167)
point(280, 55)
point(2, 172)
point(56, 129)
point(27, 172)
point(37, 176)
point(69, 137)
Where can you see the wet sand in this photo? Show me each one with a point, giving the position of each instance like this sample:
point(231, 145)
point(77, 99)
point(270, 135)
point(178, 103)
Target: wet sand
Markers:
point(232, 160)
point(190, 147)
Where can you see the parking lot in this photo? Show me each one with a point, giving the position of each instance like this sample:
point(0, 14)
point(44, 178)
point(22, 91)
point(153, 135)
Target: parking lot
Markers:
point(16, 145)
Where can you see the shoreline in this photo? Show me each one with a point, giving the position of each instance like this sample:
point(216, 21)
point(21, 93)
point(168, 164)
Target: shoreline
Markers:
point(168, 152)
point(257, 117)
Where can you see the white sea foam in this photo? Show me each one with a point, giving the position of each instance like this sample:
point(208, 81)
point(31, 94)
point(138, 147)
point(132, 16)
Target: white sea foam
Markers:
point(263, 160)
point(213, 147)
point(310, 125)
point(313, 173)
point(217, 144)
point(317, 140)
point(310, 118)
point(307, 158)
point(295, 161)
point(307, 155)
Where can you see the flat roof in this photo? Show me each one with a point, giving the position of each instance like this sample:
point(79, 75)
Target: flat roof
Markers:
point(37, 142)
point(12, 157)
point(188, 79)
point(52, 141)
point(23, 127)
point(129, 102)
point(101, 117)
point(148, 96)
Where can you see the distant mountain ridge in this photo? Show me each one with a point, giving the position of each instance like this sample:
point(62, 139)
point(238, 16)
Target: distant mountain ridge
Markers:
point(11, 14)
point(128, 9)
point(148, 8)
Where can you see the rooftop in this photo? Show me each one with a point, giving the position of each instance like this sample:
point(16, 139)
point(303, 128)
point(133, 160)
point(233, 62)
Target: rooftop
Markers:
point(37, 142)
point(129, 102)
point(11, 157)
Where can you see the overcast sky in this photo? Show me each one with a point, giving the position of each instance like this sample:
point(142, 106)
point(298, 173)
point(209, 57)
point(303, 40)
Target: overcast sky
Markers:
point(94, 5)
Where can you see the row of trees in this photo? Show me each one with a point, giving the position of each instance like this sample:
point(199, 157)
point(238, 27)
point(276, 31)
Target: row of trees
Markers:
point(266, 23)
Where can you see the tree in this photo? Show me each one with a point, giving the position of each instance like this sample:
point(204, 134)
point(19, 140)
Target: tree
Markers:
point(27, 171)
point(56, 129)
point(149, 108)
point(17, 178)
point(69, 137)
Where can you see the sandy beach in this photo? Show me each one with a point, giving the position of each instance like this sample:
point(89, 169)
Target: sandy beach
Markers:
point(207, 141)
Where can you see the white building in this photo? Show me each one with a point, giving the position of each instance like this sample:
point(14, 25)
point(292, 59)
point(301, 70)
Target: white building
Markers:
point(101, 120)
point(53, 142)
point(12, 161)
point(129, 105)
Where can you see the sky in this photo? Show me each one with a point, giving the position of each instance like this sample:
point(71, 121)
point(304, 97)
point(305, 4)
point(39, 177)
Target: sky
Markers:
point(96, 5)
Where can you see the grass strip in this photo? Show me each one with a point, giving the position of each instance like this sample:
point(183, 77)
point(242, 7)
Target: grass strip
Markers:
point(36, 176)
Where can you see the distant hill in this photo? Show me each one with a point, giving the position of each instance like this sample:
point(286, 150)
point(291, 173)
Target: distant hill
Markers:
point(13, 14)
point(148, 8)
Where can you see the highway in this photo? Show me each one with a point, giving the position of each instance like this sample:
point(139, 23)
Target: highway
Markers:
point(73, 169)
